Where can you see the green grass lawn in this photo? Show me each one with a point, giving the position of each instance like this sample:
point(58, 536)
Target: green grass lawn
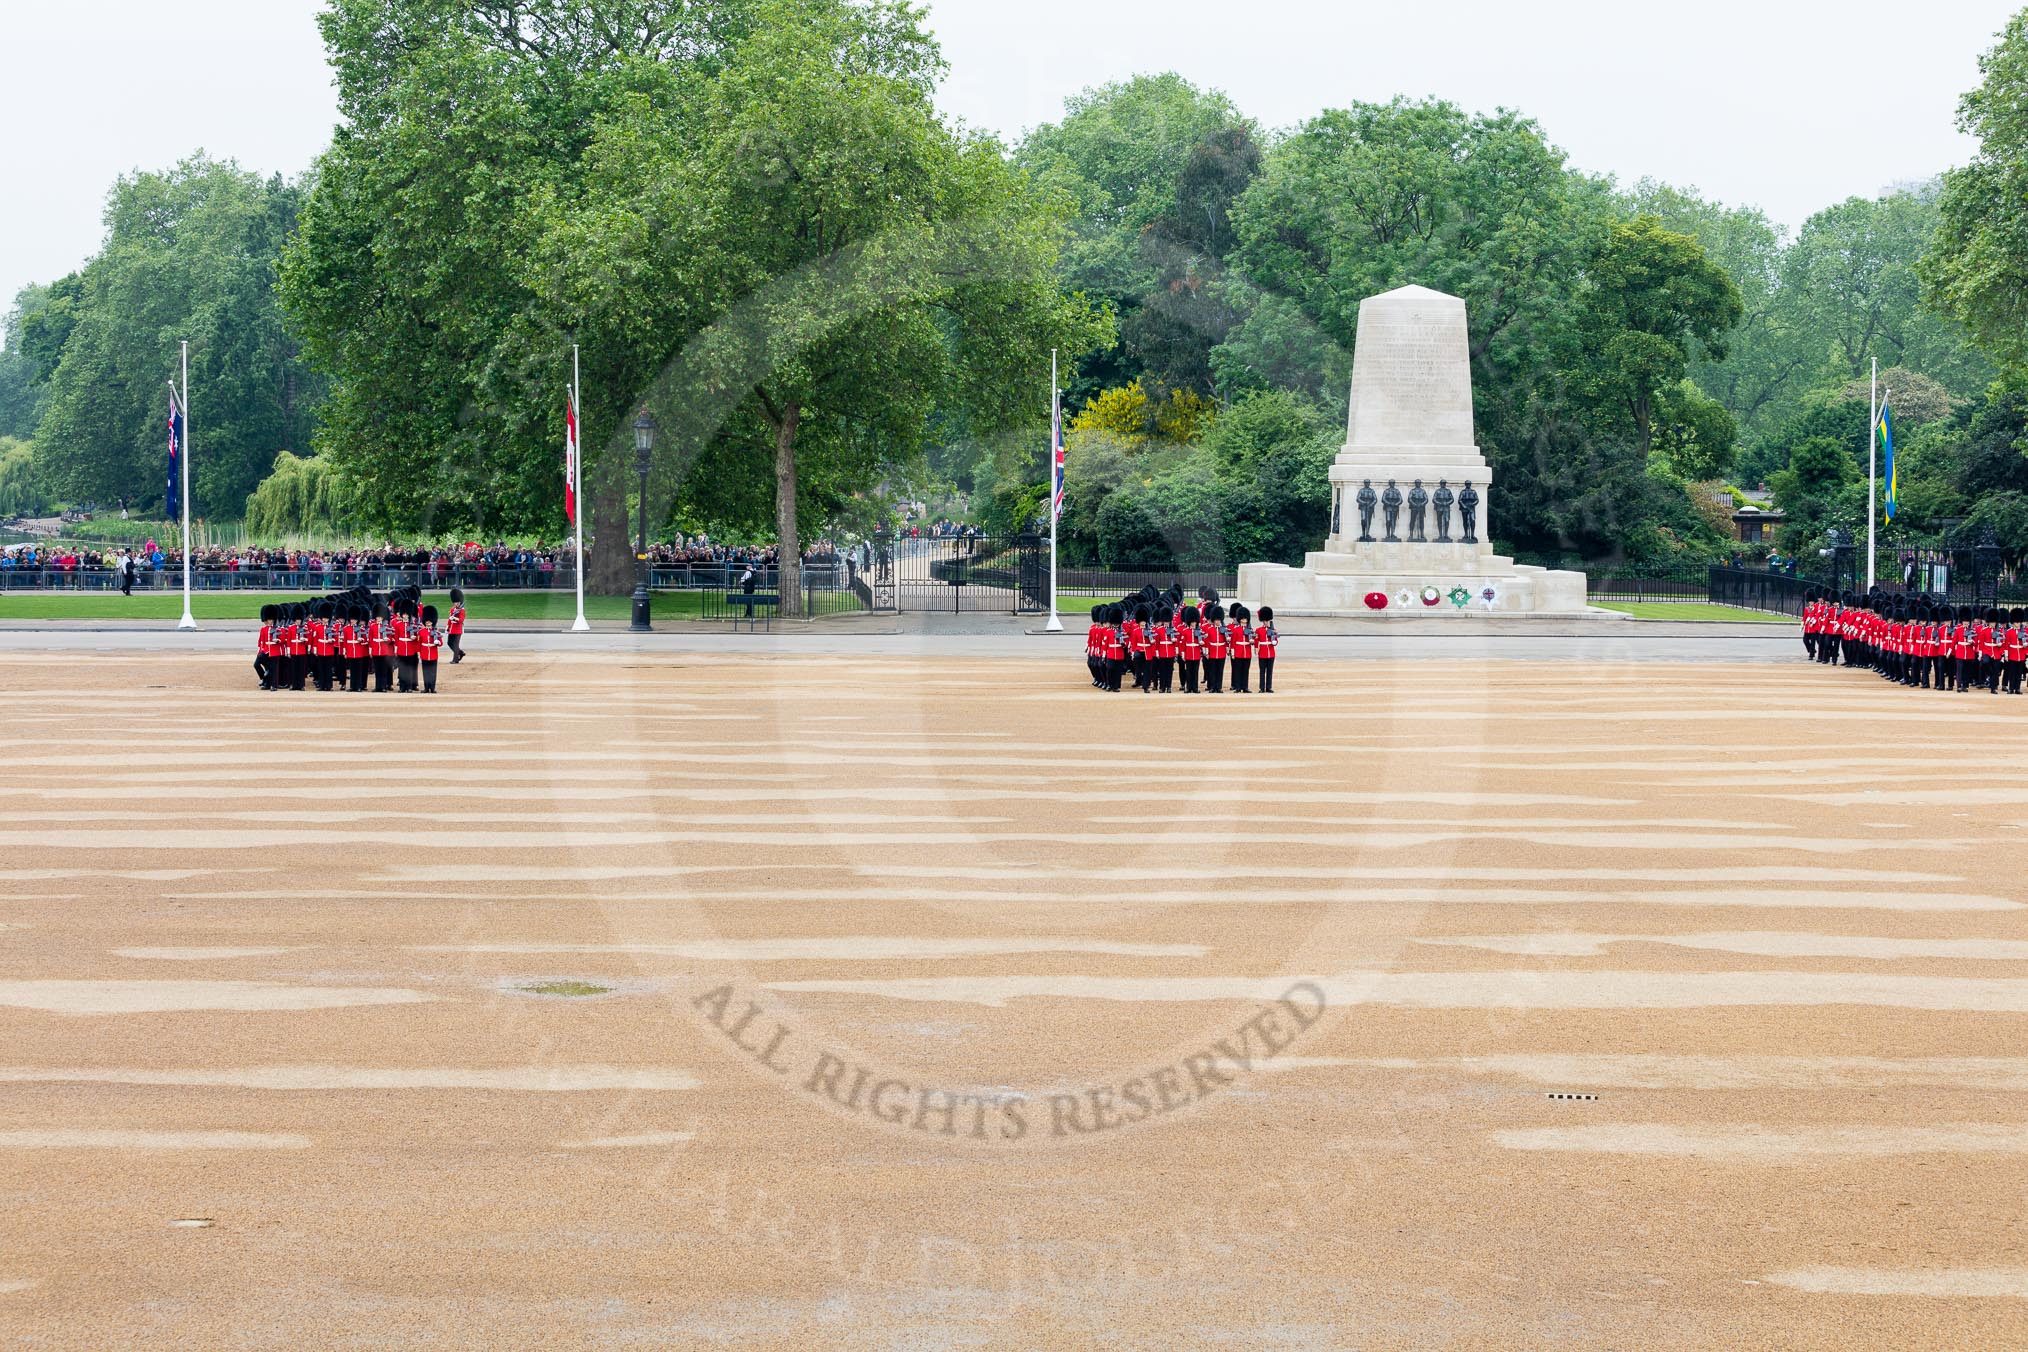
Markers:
point(1692, 610)
point(481, 606)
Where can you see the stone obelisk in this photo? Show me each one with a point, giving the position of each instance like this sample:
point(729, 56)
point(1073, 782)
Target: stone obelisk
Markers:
point(1412, 495)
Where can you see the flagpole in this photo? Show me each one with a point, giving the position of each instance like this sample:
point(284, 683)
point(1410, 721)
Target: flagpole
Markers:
point(577, 488)
point(1055, 623)
point(1872, 469)
point(189, 621)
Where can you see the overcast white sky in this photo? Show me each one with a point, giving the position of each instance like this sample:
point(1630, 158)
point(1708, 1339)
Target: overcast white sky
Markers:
point(1791, 104)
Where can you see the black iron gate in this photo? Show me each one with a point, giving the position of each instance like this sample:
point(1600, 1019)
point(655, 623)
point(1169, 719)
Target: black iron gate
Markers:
point(959, 574)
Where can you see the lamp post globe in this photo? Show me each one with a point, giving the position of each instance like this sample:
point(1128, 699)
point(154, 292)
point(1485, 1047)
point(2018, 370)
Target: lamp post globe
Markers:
point(644, 450)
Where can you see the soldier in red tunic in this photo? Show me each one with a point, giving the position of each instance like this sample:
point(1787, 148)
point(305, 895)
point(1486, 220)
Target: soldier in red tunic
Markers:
point(299, 645)
point(1114, 645)
point(1265, 637)
point(1164, 644)
point(1214, 649)
point(2014, 653)
point(1239, 638)
point(381, 649)
point(263, 648)
point(457, 626)
point(426, 641)
point(1189, 649)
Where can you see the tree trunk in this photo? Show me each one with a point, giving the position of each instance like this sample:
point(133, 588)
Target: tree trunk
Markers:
point(788, 548)
point(609, 551)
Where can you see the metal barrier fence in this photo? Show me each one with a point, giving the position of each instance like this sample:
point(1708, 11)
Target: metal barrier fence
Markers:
point(1617, 585)
point(1750, 589)
point(826, 574)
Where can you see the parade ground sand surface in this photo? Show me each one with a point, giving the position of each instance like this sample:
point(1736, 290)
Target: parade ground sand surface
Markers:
point(934, 1001)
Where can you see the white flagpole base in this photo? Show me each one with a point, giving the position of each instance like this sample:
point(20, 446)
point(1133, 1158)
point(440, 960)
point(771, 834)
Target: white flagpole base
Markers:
point(581, 627)
point(1055, 625)
point(188, 621)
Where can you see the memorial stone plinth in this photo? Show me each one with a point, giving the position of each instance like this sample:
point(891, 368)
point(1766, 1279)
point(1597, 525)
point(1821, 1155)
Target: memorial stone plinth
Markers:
point(1412, 495)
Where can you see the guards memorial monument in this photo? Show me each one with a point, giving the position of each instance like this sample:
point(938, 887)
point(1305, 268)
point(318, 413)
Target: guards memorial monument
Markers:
point(1411, 496)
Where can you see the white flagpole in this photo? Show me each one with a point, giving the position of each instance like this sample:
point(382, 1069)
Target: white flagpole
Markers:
point(189, 621)
point(1872, 471)
point(1055, 624)
point(577, 489)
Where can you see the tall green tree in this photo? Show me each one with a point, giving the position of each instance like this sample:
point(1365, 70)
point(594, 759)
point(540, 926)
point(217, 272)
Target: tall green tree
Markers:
point(23, 382)
point(1769, 354)
point(1651, 299)
point(1365, 199)
point(1852, 273)
point(802, 262)
point(463, 125)
point(1977, 269)
point(188, 254)
point(1152, 167)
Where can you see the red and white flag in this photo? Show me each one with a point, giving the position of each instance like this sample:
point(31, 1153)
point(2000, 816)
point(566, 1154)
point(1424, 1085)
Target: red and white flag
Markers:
point(569, 458)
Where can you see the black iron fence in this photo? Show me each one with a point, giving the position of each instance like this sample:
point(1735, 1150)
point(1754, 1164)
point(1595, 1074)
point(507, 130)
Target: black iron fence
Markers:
point(1639, 585)
point(1752, 589)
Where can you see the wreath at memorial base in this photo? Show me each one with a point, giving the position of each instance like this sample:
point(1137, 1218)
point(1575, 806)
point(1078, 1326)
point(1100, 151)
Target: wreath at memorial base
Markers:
point(1404, 598)
point(1431, 596)
point(1490, 595)
point(1460, 598)
point(1376, 600)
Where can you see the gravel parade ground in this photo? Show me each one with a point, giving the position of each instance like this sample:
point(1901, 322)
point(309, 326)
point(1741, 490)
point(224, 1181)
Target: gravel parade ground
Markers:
point(907, 995)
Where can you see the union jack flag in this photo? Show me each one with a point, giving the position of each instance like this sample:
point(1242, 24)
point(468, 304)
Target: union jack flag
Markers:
point(1056, 458)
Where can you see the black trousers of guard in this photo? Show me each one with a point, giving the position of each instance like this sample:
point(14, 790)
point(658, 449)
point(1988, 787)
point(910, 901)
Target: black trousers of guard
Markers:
point(1240, 667)
point(1214, 674)
point(1165, 674)
point(457, 641)
point(429, 677)
point(264, 669)
point(383, 673)
point(1267, 675)
point(1186, 674)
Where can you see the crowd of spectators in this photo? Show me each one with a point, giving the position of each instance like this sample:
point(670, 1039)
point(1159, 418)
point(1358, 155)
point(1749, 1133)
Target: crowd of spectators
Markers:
point(61, 564)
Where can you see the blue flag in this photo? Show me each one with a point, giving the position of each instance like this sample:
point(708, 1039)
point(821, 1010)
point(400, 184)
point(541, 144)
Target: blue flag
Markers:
point(1885, 429)
point(174, 506)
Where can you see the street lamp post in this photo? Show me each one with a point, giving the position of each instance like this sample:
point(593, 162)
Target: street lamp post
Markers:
point(644, 449)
